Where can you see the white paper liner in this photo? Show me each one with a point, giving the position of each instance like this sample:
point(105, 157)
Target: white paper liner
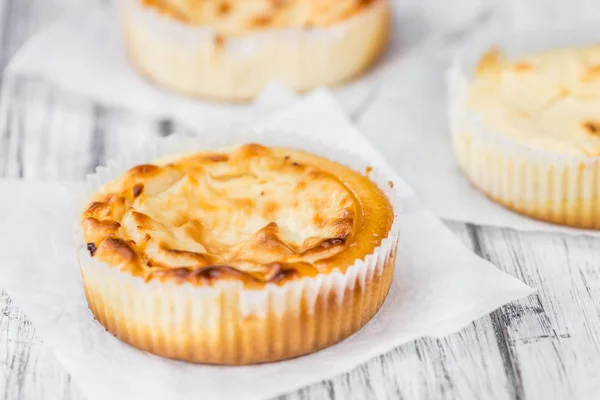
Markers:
point(554, 187)
point(198, 62)
point(210, 324)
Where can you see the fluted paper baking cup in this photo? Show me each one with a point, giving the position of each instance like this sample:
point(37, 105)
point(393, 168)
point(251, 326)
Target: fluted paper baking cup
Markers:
point(549, 186)
point(199, 62)
point(228, 323)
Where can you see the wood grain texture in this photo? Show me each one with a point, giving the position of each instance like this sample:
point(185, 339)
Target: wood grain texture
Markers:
point(543, 347)
point(552, 336)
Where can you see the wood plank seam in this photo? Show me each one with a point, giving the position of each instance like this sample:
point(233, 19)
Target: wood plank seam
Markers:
point(498, 322)
point(98, 146)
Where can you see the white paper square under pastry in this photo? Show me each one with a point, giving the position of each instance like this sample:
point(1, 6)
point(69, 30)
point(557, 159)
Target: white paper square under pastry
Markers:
point(439, 287)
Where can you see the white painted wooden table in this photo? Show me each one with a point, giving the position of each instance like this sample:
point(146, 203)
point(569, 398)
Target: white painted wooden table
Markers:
point(543, 347)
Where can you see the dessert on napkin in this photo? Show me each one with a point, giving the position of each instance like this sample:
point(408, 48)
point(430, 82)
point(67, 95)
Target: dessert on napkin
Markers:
point(232, 49)
point(526, 131)
point(237, 256)
point(438, 287)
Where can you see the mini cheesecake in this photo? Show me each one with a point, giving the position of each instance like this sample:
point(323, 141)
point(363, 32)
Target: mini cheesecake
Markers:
point(527, 133)
point(231, 50)
point(245, 255)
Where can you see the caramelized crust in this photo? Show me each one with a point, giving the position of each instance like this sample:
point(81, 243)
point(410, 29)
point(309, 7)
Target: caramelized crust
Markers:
point(238, 17)
point(252, 214)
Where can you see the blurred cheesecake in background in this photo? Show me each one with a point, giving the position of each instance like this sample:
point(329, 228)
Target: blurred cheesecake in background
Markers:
point(232, 49)
point(526, 131)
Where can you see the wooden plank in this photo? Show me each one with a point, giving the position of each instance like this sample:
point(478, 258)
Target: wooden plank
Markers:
point(55, 135)
point(29, 369)
point(552, 336)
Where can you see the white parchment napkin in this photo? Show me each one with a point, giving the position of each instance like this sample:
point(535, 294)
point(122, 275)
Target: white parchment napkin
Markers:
point(439, 287)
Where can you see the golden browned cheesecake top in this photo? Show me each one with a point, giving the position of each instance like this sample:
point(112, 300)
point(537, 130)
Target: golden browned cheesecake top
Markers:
point(239, 17)
point(548, 101)
point(251, 213)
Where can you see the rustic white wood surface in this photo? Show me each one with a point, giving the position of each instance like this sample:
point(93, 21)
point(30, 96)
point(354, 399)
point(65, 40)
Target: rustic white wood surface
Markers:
point(543, 347)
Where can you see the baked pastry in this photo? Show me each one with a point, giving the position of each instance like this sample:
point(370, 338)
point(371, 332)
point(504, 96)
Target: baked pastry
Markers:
point(527, 132)
point(232, 49)
point(245, 255)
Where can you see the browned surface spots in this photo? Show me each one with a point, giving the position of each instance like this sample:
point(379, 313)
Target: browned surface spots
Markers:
point(252, 209)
